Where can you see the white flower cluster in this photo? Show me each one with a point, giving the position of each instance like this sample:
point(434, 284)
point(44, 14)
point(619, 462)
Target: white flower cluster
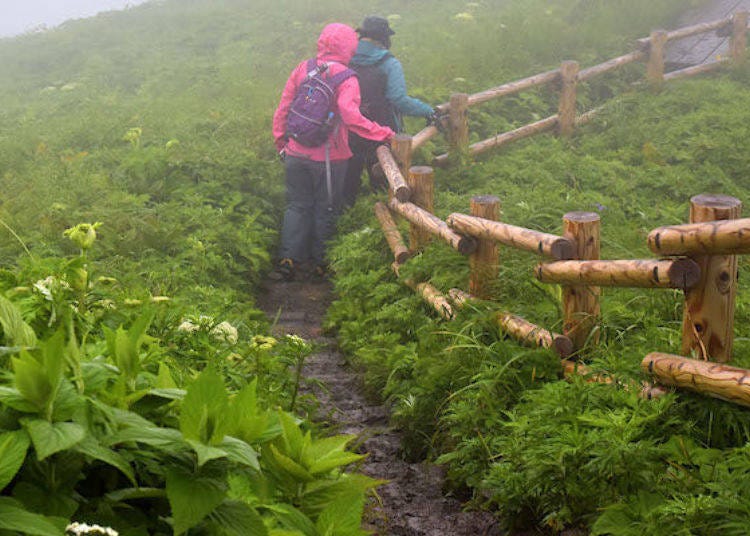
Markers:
point(223, 331)
point(82, 529)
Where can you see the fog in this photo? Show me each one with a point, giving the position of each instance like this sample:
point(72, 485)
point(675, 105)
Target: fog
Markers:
point(20, 16)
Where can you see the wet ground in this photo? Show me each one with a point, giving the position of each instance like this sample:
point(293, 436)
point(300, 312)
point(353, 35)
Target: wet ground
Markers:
point(705, 47)
point(412, 503)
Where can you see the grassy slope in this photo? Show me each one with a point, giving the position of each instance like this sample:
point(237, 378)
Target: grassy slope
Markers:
point(204, 210)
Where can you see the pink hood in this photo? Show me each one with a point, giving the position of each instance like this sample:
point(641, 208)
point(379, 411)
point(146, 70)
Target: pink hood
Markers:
point(337, 42)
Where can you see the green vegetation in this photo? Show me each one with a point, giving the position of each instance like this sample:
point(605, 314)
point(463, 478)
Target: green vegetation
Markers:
point(136, 376)
point(544, 452)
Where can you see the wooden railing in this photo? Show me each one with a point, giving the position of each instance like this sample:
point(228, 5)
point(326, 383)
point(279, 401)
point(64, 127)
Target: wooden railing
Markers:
point(699, 258)
point(567, 77)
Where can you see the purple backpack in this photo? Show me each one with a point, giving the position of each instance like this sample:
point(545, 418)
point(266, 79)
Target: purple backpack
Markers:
point(311, 117)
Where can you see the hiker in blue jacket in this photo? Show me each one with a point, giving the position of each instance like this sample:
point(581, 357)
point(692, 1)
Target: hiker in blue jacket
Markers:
point(384, 100)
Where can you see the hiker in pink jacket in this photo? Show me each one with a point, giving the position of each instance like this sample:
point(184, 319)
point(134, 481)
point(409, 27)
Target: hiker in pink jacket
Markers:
point(311, 206)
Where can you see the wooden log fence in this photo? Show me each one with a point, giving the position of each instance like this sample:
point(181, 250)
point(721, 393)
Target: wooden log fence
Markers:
point(699, 258)
point(678, 273)
point(392, 235)
point(716, 380)
point(393, 174)
point(549, 245)
point(434, 225)
point(567, 76)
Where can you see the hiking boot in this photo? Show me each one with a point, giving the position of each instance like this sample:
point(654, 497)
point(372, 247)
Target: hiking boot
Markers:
point(284, 271)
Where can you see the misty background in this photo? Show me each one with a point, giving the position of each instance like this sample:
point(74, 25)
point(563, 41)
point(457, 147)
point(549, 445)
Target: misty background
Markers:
point(20, 16)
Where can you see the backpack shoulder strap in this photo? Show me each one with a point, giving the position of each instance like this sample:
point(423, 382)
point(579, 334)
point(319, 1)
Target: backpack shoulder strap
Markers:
point(381, 61)
point(338, 78)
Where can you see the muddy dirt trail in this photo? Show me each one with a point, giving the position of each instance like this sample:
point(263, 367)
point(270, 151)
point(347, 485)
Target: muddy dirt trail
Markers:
point(412, 502)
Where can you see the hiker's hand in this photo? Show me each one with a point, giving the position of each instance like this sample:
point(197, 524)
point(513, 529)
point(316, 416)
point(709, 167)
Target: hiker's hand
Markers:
point(282, 154)
point(436, 120)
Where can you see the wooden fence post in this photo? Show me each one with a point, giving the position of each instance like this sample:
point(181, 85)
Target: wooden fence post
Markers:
point(581, 306)
point(655, 66)
point(738, 42)
point(401, 148)
point(422, 185)
point(567, 107)
point(484, 261)
point(458, 116)
point(708, 318)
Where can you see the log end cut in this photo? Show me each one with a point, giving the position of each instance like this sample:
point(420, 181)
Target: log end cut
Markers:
point(562, 345)
point(684, 273)
point(466, 245)
point(563, 249)
point(402, 193)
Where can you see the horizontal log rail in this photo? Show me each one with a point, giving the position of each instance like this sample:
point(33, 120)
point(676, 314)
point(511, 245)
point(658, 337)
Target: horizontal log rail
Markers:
point(530, 334)
point(395, 179)
point(723, 237)
point(689, 31)
point(514, 87)
point(611, 65)
point(423, 136)
point(719, 381)
point(525, 131)
point(392, 235)
point(545, 244)
point(434, 225)
point(520, 329)
point(680, 273)
point(694, 70)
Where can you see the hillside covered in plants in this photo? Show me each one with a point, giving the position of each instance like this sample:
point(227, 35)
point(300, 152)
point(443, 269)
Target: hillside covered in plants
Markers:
point(139, 387)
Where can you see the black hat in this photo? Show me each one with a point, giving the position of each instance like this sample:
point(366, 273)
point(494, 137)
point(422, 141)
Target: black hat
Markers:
point(375, 27)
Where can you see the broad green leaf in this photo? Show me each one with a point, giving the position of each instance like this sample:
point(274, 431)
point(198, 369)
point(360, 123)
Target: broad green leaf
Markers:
point(53, 352)
point(13, 398)
point(324, 454)
point(240, 452)
point(203, 416)
point(164, 378)
point(333, 460)
point(292, 438)
point(290, 467)
point(13, 447)
point(32, 381)
point(161, 438)
point(92, 448)
point(14, 517)
point(318, 495)
point(293, 519)
point(342, 517)
point(16, 330)
point(248, 422)
point(238, 518)
point(49, 438)
point(204, 452)
point(192, 498)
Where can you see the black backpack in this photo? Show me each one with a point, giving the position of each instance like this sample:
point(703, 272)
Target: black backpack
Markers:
point(373, 83)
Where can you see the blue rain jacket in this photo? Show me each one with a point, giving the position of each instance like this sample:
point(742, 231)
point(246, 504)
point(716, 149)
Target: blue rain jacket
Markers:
point(370, 53)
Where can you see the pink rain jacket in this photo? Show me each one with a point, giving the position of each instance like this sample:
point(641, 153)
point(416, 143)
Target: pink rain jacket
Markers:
point(336, 46)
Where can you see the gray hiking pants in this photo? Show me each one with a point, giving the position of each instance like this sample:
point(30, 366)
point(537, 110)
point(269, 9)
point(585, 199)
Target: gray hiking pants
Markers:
point(310, 217)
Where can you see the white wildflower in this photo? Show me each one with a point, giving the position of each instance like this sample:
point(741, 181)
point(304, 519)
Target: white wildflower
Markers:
point(225, 332)
point(82, 529)
point(188, 327)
